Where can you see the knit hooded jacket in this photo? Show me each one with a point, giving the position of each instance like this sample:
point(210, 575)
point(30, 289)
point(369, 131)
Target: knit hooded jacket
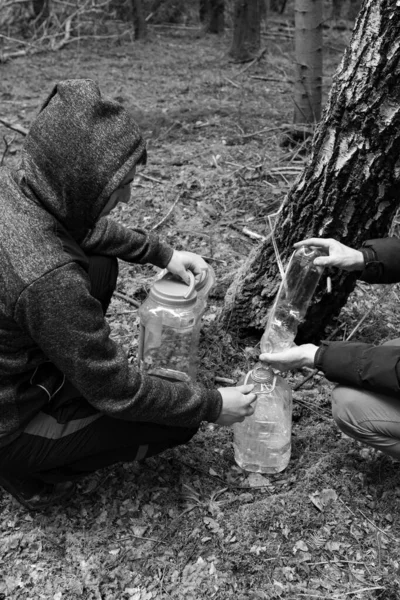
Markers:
point(77, 152)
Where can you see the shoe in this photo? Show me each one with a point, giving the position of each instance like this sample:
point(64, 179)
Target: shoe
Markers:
point(37, 495)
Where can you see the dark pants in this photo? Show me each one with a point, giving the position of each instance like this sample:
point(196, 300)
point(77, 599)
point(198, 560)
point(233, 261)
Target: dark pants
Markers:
point(71, 439)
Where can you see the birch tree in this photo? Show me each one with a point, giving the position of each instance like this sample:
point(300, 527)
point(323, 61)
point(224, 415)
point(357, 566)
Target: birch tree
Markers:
point(350, 188)
point(308, 57)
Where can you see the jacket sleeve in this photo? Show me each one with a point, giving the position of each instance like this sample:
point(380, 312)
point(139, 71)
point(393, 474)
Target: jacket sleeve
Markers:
point(382, 260)
point(67, 323)
point(356, 364)
point(110, 238)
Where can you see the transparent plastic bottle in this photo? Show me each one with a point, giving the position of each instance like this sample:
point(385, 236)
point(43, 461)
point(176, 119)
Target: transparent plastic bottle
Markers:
point(262, 442)
point(293, 299)
point(170, 321)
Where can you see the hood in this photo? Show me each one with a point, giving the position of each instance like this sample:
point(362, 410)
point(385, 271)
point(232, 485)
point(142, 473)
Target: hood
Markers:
point(77, 152)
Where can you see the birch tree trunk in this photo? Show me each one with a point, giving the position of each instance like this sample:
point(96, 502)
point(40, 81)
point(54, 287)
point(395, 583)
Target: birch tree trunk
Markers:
point(246, 30)
point(350, 189)
point(308, 53)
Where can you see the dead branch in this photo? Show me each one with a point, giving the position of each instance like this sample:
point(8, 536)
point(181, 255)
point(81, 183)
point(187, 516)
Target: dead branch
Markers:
point(127, 299)
point(7, 144)
point(17, 128)
point(168, 213)
point(251, 63)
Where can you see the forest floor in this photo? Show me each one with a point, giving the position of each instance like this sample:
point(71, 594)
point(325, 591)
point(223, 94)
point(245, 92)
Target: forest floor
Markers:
point(190, 524)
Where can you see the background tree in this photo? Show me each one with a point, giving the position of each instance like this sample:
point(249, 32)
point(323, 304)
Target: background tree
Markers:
point(350, 187)
point(308, 57)
point(212, 15)
point(139, 21)
point(246, 30)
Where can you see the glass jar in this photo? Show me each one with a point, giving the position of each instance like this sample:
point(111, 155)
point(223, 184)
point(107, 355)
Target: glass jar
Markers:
point(262, 442)
point(170, 320)
point(293, 299)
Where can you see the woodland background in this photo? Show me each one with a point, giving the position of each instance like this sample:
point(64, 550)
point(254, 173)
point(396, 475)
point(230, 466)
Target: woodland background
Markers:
point(190, 524)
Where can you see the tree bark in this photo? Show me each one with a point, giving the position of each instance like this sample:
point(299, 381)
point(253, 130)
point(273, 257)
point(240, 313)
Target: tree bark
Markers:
point(139, 22)
point(246, 30)
point(308, 52)
point(350, 188)
point(212, 15)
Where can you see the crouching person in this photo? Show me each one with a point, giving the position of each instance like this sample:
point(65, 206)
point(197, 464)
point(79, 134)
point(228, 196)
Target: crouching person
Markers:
point(366, 401)
point(70, 402)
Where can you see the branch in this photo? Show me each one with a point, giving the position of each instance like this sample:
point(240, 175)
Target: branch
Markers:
point(256, 59)
point(17, 128)
point(168, 213)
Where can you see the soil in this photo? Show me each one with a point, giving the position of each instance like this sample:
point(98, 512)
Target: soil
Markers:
point(190, 524)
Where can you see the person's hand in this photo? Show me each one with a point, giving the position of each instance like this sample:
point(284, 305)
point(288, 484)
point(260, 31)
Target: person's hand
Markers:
point(338, 255)
point(237, 404)
point(295, 357)
point(182, 261)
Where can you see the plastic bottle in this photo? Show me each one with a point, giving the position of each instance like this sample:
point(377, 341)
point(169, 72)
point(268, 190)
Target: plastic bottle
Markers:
point(293, 299)
point(262, 442)
point(170, 320)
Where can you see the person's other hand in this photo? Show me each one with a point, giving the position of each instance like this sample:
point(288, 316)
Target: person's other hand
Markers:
point(182, 261)
point(237, 404)
point(338, 255)
point(295, 357)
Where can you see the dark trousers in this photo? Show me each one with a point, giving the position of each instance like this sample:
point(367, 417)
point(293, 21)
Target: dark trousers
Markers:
point(71, 438)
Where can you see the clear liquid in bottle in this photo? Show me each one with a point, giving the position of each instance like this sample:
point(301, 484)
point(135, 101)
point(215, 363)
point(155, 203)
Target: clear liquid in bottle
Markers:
point(262, 442)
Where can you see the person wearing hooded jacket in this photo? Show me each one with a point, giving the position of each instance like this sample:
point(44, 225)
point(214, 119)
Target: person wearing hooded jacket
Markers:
point(70, 402)
point(366, 401)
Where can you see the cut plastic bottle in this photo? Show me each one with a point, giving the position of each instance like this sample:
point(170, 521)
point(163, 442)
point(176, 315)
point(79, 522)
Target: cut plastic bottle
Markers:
point(293, 299)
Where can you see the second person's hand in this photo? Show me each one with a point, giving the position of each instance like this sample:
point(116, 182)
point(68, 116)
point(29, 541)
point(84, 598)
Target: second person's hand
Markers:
point(237, 404)
point(295, 357)
point(338, 254)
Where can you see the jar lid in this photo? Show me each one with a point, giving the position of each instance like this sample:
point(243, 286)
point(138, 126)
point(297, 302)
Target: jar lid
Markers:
point(206, 281)
point(171, 290)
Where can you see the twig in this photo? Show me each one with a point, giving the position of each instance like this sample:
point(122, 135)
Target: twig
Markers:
point(6, 149)
point(138, 537)
point(224, 380)
point(376, 527)
point(256, 59)
point(127, 299)
point(212, 259)
point(17, 128)
point(308, 405)
point(254, 235)
point(168, 213)
point(369, 589)
point(150, 178)
point(288, 81)
point(372, 523)
point(237, 85)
